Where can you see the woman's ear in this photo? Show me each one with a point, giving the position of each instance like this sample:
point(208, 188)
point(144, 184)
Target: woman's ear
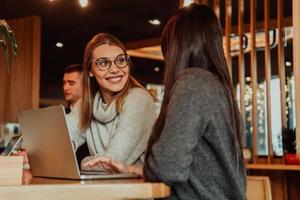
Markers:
point(91, 74)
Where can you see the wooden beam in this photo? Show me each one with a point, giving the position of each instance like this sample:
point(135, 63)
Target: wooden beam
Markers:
point(142, 43)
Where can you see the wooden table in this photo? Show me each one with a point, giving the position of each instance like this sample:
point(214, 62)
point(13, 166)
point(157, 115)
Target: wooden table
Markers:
point(113, 189)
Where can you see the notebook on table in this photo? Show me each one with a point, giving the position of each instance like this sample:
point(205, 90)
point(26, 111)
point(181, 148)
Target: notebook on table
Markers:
point(48, 144)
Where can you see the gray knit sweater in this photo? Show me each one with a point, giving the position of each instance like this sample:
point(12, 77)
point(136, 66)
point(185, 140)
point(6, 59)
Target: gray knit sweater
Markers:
point(195, 153)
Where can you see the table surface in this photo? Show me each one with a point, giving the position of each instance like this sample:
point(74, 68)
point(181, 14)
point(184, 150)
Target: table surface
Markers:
point(48, 188)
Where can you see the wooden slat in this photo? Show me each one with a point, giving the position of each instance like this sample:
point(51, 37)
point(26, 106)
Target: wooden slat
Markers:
point(253, 79)
point(287, 21)
point(36, 60)
point(268, 77)
point(3, 79)
point(241, 62)
point(201, 2)
point(296, 53)
point(228, 10)
point(281, 65)
point(217, 8)
point(181, 3)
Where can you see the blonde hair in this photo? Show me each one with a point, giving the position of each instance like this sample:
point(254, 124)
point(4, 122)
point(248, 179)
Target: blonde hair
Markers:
point(90, 86)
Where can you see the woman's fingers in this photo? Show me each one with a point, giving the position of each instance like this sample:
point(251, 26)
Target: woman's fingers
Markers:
point(101, 162)
point(119, 166)
point(106, 163)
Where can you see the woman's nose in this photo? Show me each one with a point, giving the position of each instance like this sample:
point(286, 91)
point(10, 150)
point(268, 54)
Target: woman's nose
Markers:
point(114, 68)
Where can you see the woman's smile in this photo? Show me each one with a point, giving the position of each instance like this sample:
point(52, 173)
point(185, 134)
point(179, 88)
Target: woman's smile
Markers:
point(115, 79)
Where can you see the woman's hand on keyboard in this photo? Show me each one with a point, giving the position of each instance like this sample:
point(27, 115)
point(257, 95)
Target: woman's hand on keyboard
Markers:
point(105, 163)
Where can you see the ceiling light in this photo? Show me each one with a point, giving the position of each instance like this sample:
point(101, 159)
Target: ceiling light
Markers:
point(59, 44)
point(288, 63)
point(83, 3)
point(154, 21)
point(156, 69)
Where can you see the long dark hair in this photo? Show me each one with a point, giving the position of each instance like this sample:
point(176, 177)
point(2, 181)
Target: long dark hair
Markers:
point(193, 38)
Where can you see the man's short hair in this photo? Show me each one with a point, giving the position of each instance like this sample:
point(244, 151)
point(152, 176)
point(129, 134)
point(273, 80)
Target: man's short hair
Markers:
point(73, 68)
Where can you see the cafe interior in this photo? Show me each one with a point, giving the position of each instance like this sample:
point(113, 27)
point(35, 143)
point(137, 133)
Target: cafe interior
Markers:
point(261, 41)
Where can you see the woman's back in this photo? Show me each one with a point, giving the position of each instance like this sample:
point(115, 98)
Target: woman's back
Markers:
point(196, 152)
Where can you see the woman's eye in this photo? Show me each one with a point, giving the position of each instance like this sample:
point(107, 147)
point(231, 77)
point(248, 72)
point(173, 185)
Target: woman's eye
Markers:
point(103, 62)
point(121, 60)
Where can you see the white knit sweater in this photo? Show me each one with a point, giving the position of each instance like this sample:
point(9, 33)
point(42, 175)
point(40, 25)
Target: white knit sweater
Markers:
point(122, 136)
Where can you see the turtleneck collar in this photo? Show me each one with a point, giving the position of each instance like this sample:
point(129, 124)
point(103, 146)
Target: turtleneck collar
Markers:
point(104, 112)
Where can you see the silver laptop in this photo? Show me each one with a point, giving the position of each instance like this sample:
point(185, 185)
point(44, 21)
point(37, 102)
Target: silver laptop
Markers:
point(49, 146)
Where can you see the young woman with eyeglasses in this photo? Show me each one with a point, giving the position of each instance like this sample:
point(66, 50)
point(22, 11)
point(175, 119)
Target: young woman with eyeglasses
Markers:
point(117, 112)
point(195, 146)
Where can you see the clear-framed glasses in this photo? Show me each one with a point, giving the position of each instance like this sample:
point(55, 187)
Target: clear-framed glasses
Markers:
point(104, 64)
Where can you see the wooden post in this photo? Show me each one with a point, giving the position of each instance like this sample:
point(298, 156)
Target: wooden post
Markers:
point(228, 10)
point(268, 77)
point(296, 52)
point(253, 78)
point(241, 62)
point(281, 65)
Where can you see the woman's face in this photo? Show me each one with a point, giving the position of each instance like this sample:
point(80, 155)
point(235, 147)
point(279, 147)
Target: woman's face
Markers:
point(110, 68)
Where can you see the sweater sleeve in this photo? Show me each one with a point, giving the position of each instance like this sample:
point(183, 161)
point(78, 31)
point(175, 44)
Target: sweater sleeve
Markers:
point(129, 139)
point(77, 137)
point(186, 118)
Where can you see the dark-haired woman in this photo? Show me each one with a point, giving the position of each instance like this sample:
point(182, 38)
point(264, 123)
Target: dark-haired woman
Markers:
point(195, 145)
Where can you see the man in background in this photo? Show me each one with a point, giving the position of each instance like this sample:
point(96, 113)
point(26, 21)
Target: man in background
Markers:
point(73, 88)
point(72, 85)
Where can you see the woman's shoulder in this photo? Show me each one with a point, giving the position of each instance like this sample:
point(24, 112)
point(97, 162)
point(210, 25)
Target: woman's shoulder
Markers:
point(137, 94)
point(197, 78)
point(197, 74)
point(139, 99)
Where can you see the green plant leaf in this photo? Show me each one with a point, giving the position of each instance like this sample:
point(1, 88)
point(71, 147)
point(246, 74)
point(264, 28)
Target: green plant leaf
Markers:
point(8, 43)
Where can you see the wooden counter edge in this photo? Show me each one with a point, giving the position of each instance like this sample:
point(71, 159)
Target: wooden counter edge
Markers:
point(85, 191)
point(282, 167)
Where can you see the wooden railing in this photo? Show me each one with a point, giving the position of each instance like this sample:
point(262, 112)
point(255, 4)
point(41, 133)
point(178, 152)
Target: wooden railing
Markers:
point(255, 75)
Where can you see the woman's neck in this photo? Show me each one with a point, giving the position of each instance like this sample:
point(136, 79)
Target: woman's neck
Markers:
point(107, 97)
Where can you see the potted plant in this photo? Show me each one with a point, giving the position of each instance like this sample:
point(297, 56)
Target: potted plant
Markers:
point(8, 43)
point(289, 146)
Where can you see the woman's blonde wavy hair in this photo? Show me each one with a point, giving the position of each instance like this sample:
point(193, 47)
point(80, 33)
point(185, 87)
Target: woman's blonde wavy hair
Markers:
point(91, 87)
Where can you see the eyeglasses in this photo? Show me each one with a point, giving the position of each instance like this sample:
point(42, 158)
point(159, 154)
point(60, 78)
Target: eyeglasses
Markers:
point(104, 64)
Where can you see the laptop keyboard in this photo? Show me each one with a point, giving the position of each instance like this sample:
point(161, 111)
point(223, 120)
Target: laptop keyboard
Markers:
point(83, 172)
